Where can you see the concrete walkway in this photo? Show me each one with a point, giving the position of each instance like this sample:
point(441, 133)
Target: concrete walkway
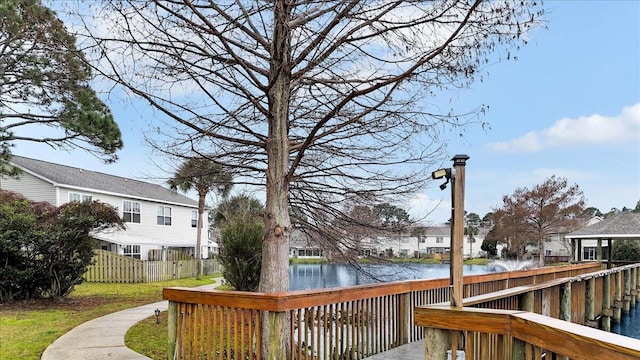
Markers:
point(410, 351)
point(103, 338)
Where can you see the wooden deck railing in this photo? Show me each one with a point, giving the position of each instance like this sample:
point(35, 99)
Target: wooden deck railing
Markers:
point(525, 322)
point(339, 323)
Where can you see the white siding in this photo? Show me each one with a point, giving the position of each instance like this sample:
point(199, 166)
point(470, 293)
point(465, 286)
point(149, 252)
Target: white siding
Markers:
point(178, 234)
point(31, 187)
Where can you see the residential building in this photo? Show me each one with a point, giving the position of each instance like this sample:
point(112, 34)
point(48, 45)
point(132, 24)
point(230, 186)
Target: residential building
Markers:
point(432, 241)
point(157, 219)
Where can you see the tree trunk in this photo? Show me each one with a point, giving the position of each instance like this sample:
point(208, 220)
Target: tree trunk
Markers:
point(274, 275)
point(541, 251)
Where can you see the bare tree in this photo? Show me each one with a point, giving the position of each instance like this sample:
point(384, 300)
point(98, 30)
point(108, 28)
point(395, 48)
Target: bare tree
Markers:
point(553, 208)
point(315, 101)
point(533, 216)
point(510, 224)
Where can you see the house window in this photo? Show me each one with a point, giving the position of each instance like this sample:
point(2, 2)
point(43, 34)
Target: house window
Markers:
point(589, 253)
point(79, 197)
point(164, 215)
point(132, 251)
point(547, 252)
point(194, 218)
point(423, 239)
point(310, 252)
point(439, 240)
point(131, 211)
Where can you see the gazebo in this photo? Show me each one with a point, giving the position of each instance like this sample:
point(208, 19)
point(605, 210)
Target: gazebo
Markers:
point(622, 226)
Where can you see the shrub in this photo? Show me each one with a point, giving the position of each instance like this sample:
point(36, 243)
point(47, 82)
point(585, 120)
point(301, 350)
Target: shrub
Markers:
point(241, 253)
point(44, 250)
point(626, 250)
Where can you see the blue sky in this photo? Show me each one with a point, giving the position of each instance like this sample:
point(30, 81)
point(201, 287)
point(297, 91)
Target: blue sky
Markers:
point(569, 106)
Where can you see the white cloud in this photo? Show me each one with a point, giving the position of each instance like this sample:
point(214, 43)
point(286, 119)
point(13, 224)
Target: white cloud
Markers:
point(428, 210)
point(585, 130)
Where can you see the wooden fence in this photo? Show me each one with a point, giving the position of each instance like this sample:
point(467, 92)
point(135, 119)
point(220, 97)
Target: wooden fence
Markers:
point(339, 323)
point(168, 255)
point(557, 319)
point(113, 268)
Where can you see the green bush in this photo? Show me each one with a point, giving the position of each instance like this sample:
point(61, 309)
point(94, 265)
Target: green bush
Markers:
point(44, 250)
point(626, 250)
point(241, 253)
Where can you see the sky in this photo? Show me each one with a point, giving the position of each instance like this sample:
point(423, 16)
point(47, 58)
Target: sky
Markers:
point(569, 106)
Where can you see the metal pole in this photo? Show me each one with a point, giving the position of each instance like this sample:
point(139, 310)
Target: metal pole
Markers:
point(457, 242)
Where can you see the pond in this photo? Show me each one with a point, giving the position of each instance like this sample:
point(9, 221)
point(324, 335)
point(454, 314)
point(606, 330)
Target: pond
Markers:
point(319, 276)
point(629, 325)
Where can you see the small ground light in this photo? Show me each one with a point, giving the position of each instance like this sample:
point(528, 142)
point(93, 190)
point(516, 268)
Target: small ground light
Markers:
point(157, 312)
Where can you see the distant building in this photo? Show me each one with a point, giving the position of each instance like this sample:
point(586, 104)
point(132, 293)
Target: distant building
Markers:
point(624, 226)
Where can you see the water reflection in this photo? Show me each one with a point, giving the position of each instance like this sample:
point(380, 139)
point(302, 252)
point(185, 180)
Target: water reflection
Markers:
point(629, 325)
point(318, 276)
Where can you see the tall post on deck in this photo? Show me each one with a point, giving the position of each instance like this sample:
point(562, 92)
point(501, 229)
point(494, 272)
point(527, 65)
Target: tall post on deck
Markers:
point(439, 341)
point(457, 230)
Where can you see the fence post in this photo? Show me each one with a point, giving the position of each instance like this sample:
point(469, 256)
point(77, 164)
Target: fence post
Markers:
point(565, 303)
point(606, 303)
point(590, 306)
point(626, 305)
point(617, 300)
point(403, 321)
point(172, 313)
point(436, 343)
point(527, 301)
point(634, 286)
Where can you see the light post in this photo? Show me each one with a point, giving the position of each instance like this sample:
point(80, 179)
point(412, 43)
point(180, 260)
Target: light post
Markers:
point(456, 177)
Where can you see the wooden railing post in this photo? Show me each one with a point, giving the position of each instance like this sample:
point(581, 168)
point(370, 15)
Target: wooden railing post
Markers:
point(590, 306)
point(404, 318)
point(565, 309)
point(617, 300)
point(606, 303)
point(436, 343)
point(637, 284)
point(634, 286)
point(173, 330)
point(565, 303)
point(527, 302)
point(626, 304)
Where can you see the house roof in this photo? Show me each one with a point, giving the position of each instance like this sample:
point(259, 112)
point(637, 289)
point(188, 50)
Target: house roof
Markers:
point(68, 176)
point(622, 225)
point(437, 231)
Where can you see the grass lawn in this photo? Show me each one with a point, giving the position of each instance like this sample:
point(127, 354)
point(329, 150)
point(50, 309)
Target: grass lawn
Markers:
point(149, 338)
point(477, 261)
point(27, 328)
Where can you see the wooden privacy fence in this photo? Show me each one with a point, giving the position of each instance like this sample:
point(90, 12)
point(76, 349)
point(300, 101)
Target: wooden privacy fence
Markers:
point(339, 323)
point(113, 268)
point(558, 319)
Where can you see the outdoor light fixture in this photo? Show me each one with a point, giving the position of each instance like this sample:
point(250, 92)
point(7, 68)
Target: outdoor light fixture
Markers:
point(442, 173)
point(157, 312)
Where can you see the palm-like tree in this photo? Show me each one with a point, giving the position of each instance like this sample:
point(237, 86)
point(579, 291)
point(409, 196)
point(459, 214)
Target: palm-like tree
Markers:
point(203, 176)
